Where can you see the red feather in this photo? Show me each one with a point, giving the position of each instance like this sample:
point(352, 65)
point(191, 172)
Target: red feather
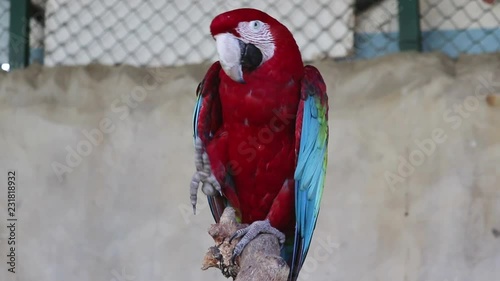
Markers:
point(252, 131)
point(253, 151)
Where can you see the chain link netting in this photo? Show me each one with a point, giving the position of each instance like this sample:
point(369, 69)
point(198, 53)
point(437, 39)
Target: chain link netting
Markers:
point(176, 32)
point(4, 31)
point(460, 26)
point(376, 29)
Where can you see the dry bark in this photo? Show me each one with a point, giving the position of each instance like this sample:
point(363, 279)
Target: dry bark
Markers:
point(493, 99)
point(260, 260)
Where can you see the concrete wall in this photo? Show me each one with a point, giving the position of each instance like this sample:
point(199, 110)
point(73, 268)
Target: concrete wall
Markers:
point(103, 158)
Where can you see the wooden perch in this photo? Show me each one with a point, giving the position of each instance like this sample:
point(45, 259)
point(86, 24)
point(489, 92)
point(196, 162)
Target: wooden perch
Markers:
point(493, 99)
point(260, 260)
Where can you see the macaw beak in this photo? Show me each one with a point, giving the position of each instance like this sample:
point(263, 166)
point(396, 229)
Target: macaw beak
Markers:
point(236, 55)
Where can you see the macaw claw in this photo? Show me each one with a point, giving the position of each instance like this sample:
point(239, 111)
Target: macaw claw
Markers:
point(249, 233)
point(203, 174)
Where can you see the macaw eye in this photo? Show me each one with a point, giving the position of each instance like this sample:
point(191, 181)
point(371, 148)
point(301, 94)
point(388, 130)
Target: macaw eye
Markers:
point(256, 25)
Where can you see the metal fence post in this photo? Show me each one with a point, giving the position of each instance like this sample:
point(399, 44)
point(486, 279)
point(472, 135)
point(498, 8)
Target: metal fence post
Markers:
point(409, 26)
point(19, 33)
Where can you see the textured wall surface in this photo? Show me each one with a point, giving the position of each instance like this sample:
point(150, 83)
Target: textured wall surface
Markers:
point(104, 157)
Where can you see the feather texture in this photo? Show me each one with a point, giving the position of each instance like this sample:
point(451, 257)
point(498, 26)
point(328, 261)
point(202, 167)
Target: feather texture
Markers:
point(267, 138)
point(207, 119)
point(311, 145)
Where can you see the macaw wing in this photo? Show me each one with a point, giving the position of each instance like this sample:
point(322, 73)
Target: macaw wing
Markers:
point(311, 135)
point(207, 118)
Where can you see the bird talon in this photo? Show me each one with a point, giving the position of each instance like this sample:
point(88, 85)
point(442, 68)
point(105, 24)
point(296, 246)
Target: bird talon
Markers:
point(233, 259)
point(203, 175)
point(238, 233)
point(249, 233)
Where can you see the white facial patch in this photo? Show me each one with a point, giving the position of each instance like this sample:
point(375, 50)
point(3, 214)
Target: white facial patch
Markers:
point(258, 33)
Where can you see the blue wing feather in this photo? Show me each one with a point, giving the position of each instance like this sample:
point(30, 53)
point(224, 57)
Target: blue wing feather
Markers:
point(196, 114)
point(311, 163)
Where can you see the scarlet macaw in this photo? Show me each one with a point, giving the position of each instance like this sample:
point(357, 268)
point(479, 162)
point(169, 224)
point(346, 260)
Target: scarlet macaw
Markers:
point(261, 133)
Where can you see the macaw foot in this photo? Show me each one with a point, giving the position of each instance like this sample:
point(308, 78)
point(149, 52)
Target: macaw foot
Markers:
point(250, 232)
point(203, 174)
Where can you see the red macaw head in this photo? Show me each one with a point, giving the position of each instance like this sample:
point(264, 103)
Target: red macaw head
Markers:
point(249, 40)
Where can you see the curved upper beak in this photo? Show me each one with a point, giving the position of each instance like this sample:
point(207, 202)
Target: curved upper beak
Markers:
point(229, 51)
point(236, 55)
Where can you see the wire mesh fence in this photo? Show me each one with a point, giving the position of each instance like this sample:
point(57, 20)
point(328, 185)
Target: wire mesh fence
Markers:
point(4, 32)
point(176, 32)
point(376, 29)
point(460, 26)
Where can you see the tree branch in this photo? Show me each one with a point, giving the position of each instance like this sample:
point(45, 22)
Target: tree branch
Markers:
point(493, 99)
point(260, 260)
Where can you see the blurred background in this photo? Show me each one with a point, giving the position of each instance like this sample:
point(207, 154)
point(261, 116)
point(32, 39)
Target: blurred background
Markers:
point(96, 100)
point(174, 33)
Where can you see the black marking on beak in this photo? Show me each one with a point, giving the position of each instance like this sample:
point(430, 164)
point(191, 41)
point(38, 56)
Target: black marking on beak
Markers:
point(251, 56)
